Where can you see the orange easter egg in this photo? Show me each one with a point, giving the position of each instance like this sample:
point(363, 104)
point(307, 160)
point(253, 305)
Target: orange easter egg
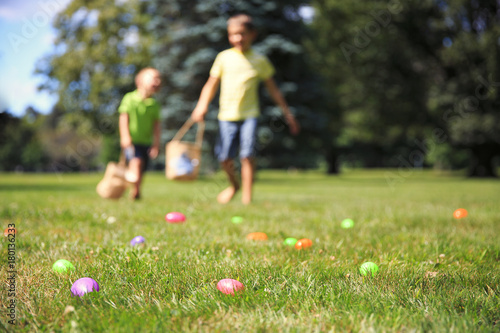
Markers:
point(9, 231)
point(303, 243)
point(460, 213)
point(257, 236)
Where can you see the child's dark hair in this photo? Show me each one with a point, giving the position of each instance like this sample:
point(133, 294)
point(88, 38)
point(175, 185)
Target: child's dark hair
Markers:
point(243, 19)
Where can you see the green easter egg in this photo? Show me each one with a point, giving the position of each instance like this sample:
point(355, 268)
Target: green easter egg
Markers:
point(236, 219)
point(63, 266)
point(290, 241)
point(368, 267)
point(347, 223)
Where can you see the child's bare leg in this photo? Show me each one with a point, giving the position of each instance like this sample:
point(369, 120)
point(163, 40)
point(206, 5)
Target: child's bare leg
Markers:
point(135, 167)
point(247, 172)
point(227, 194)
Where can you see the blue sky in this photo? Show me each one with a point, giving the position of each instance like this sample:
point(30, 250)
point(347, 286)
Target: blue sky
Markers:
point(26, 35)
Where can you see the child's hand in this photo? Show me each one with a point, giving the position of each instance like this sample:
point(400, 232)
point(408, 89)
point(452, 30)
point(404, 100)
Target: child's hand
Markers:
point(198, 114)
point(292, 124)
point(153, 152)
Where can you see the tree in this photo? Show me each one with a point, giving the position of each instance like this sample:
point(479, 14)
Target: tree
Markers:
point(378, 71)
point(411, 76)
point(20, 147)
point(188, 36)
point(467, 97)
point(98, 50)
point(10, 141)
point(71, 141)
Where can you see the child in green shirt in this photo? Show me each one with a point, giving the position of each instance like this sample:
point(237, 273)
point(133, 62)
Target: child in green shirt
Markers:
point(139, 126)
point(239, 71)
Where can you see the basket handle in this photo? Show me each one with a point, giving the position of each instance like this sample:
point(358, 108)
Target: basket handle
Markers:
point(122, 160)
point(187, 125)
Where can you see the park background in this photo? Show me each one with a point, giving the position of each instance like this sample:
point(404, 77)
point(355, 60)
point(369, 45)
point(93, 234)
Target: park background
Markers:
point(406, 89)
point(374, 84)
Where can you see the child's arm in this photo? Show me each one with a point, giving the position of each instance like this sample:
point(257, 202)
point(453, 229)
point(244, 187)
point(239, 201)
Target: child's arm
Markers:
point(207, 94)
point(125, 138)
point(155, 148)
point(280, 101)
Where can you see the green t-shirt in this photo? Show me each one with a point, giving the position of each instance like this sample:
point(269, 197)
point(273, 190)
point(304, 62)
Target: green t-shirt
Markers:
point(142, 115)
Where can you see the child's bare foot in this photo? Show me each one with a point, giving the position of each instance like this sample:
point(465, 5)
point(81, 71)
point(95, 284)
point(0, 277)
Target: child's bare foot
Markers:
point(226, 195)
point(134, 196)
point(246, 199)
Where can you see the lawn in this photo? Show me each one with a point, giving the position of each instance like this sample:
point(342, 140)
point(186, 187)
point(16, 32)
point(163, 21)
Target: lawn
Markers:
point(437, 273)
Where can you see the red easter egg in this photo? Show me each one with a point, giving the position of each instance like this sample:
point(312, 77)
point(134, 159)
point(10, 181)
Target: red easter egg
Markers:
point(175, 217)
point(229, 286)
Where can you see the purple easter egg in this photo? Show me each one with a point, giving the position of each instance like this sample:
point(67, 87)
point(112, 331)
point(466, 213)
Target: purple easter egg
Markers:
point(137, 240)
point(175, 217)
point(83, 286)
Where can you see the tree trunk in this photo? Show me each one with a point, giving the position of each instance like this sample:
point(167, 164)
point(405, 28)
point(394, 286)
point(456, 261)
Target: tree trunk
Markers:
point(332, 158)
point(482, 161)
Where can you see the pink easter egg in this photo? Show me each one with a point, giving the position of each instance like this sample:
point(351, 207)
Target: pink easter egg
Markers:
point(175, 217)
point(229, 286)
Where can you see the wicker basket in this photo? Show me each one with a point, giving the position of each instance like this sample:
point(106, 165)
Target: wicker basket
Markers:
point(183, 158)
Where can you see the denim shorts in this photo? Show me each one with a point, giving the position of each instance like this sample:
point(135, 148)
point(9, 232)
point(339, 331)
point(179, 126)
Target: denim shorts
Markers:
point(138, 151)
point(234, 134)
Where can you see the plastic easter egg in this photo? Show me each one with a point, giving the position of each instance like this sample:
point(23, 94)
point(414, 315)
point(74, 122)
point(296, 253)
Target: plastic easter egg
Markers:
point(236, 219)
point(257, 236)
point(137, 240)
point(175, 217)
point(83, 286)
point(367, 268)
point(9, 231)
point(460, 213)
point(303, 243)
point(347, 223)
point(63, 266)
point(290, 241)
point(230, 286)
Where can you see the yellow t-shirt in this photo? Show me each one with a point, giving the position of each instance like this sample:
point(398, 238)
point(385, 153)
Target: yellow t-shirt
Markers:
point(240, 74)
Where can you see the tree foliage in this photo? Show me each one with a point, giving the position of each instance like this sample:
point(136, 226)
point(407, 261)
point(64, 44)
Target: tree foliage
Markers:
point(188, 36)
point(100, 48)
point(20, 147)
point(394, 82)
point(409, 75)
point(468, 97)
point(98, 51)
point(378, 71)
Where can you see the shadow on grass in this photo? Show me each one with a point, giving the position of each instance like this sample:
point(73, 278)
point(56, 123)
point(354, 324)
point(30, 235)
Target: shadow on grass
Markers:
point(43, 188)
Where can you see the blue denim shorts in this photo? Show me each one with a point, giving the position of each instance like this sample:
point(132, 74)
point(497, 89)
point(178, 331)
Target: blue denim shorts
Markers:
point(138, 151)
point(234, 134)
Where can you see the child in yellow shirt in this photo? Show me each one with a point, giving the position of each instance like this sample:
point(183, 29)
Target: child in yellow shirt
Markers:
point(238, 71)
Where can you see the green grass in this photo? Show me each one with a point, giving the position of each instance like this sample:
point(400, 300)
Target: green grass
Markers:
point(406, 227)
